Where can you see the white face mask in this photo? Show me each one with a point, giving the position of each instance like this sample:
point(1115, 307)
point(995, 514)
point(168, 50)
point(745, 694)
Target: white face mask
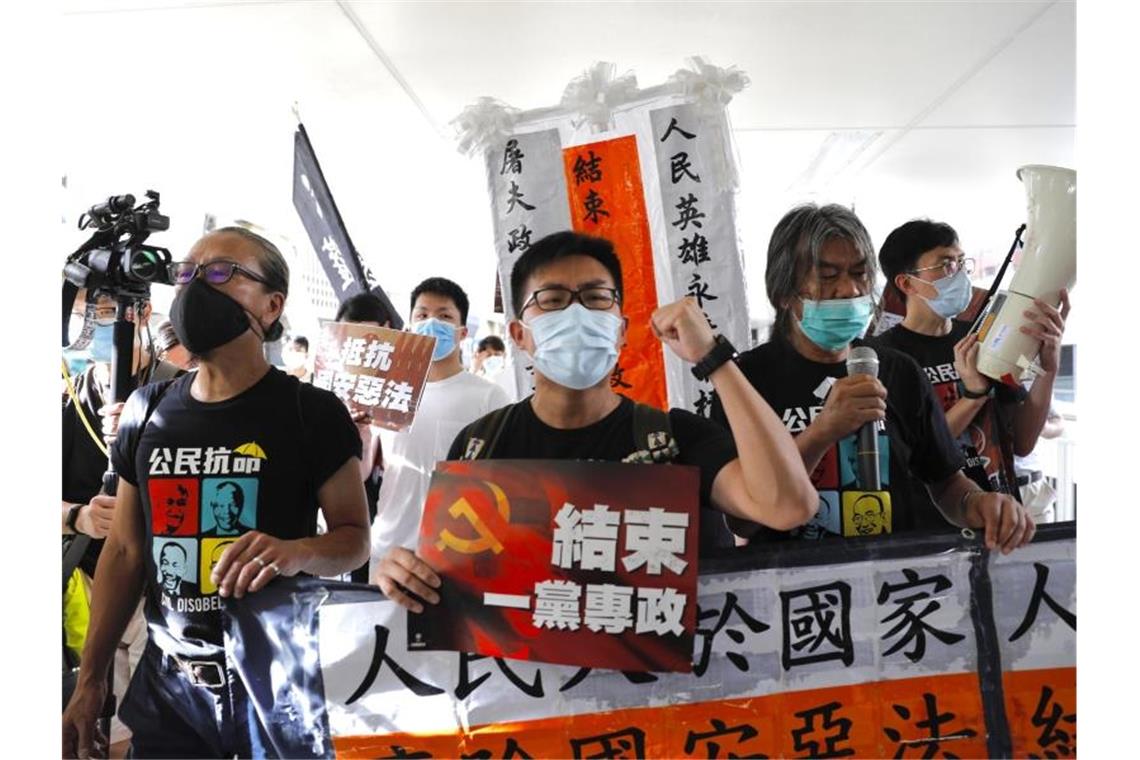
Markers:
point(575, 347)
point(493, 365)
point(294, 359)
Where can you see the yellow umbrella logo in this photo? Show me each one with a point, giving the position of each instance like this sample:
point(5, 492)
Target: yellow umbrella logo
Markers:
point(251, 449)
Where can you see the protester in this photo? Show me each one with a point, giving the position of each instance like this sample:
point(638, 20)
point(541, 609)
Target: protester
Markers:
point(819, 276)
point(490, 357)
point(289, 447)
point(368, 309)
point(451, 398)
point(925, 265)
point(567, 301)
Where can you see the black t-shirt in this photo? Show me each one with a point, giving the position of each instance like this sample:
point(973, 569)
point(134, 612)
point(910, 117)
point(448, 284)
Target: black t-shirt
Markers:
point(915, 445)
point(987, 442)
point(703, 444)
point(208, 472)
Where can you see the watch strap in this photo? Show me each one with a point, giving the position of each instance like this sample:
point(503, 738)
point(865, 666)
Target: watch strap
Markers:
point(721, 353)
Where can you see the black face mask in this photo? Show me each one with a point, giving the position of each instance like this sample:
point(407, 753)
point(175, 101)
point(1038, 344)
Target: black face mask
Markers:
point(205, 318)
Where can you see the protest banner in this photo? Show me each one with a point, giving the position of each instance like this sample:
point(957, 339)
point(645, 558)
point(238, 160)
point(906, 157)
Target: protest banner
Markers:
point(313, 200)
point(900, 646)
point(651, 170)
point(580, 563)
point(374, 369)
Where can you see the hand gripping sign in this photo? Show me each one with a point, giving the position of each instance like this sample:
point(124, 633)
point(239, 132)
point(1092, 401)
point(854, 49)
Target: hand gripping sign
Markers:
point(579, 563)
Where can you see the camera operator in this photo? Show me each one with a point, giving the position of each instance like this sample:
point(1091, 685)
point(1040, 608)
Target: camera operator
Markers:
point(185, 449)
point(86, 510)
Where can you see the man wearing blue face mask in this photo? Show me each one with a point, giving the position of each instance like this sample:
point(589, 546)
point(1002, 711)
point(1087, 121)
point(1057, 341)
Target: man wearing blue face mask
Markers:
point(452, 397)
point(819, 278)
point(566, 293)
point(923, 262)
point(85, 510)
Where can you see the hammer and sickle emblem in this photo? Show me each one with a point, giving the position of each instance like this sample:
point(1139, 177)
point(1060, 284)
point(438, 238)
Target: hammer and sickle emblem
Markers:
point(486, 540)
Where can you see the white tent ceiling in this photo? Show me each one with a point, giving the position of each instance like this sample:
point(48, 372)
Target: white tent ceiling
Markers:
point(904, 108)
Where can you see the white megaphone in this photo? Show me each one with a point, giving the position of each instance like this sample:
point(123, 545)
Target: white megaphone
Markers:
point(1048, 263)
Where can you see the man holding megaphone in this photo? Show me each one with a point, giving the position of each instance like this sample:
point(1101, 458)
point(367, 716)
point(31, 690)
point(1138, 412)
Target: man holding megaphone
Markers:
point(850, 402)
point(992, 421)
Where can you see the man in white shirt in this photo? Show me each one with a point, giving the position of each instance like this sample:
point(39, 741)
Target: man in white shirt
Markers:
point(452, 398)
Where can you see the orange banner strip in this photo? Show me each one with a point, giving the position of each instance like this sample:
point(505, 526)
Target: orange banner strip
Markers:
point(871, 720)
point(603, 181)
point(1041, 707)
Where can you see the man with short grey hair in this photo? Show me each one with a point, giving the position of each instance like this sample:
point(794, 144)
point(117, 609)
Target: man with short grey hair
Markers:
point(820, 273)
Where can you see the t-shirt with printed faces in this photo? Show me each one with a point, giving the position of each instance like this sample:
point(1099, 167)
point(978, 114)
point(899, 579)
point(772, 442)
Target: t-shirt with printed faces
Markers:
point(445, 407)
point(702, 443)
point(915, 447)
point(208, 472)
point(987, 442)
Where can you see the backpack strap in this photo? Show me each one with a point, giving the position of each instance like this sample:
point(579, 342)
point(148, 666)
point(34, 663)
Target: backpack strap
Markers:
point(653, 440)
point(484, 434)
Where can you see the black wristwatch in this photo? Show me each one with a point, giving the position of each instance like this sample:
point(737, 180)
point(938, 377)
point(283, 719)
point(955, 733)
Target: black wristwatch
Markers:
point(73, 516)
point(967, 393)
point(721, 352)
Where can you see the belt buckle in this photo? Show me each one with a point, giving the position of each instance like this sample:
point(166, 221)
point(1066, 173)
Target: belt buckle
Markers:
point(200, 672)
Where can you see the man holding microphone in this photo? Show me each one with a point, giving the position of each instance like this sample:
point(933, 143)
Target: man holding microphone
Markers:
point(819, 276)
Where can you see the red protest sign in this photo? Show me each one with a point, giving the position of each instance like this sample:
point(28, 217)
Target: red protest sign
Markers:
point(374, 369)
point(579, 563)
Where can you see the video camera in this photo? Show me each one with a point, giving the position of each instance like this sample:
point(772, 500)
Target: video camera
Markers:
point(115, 260)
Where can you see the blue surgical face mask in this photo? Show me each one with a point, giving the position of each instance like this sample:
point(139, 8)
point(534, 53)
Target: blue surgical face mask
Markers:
point(833, 324)
point(954, 294)
point(575, 347)
point(444, 334)
point(102, 343)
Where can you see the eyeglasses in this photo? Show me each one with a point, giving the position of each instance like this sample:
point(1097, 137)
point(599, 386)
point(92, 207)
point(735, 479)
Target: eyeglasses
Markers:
point(213, 272)
point(559, 298)
point(950, 267)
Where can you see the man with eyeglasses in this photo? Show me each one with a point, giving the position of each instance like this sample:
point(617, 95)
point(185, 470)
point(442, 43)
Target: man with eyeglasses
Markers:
point(566, 292)
point(819, 276)
point(924, 263)
point(290, 447)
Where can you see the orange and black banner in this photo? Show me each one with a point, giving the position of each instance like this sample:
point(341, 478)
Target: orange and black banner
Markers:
point(900, 646)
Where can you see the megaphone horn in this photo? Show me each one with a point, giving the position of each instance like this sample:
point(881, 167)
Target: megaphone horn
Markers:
point(1048, 264)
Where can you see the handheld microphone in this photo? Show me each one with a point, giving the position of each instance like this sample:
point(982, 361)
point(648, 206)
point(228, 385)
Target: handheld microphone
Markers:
point(862, 360)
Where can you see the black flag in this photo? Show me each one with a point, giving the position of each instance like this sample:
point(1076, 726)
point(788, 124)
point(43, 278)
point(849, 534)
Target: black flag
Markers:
point(314, 202)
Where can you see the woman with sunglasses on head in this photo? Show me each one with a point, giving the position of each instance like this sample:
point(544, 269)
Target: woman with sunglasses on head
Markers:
point(924, 263)
point(230, 463)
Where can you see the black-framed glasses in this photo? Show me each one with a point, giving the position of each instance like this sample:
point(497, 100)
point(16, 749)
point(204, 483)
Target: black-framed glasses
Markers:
point(949, 267)
point(214, 272)
point(558, 298)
